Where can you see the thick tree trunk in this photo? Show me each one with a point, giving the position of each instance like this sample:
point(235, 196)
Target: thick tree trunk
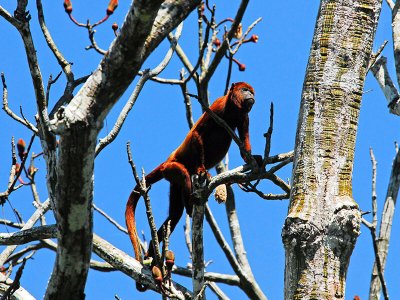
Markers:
point(323, 221)
point(78, 123)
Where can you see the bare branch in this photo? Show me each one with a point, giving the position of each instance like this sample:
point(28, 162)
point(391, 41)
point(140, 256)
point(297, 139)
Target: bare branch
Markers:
point(223, 243)
point(111, 220)
point(28, 235)
point(147, 74)
point(243, 38)
point(386, 226)
point(11, 223)
point(93, 42)
point(16, 284)
point(9, 112)
point(390, 3)
point(129, 266)
point(198, 246)
point(375, 55)
point(19, 294)
point(209, 276)
point(29, 224)
point(374, 202)
point(280, 157)
point(188, 102)
point(8, 17)
point(222, 49)
point(380, 72)
point(378, 262)
point(143, 190)
point(187, 235)
point(64, 64)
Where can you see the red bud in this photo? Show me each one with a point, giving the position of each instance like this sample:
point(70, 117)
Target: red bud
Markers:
point(112, 6)
point(31, 170)
point(68, 6)
point(254, 38)
point(114, 26)
point(169, 259)
point(217, 42)
point(157, 275)
point(21, 148)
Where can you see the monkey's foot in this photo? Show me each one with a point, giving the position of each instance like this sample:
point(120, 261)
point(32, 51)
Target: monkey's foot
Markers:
point(201, 180)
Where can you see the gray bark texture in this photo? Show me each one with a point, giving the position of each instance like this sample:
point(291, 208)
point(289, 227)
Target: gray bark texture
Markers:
point(323, 221)
point(70, 173)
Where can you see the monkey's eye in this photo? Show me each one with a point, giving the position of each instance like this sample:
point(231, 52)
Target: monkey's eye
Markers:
point(245, 90)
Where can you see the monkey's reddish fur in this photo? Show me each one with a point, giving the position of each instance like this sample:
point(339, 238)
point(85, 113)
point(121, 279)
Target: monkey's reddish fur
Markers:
point(205, 145)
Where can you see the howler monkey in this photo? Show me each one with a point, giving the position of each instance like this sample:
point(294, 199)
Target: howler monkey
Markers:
point(204, 146)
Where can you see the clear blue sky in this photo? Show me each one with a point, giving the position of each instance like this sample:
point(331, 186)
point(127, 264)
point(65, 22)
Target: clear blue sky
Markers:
point(157, 124)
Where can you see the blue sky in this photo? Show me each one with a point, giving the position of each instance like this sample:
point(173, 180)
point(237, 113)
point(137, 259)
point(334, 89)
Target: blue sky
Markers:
point(275, 66)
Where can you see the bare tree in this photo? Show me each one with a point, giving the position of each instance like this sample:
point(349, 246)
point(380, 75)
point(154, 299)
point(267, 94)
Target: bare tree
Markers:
point(323, 221)
point(68, 134)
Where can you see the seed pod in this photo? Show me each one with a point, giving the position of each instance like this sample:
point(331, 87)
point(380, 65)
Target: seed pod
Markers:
point(220, 194)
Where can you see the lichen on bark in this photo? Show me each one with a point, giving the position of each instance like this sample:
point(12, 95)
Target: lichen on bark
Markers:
point(323, 220)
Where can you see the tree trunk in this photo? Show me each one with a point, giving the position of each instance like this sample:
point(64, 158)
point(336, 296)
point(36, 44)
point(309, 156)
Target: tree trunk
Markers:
point(323, 221)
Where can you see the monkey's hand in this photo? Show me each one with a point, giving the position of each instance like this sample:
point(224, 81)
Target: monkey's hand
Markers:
point(258, 159)
point(201, 178)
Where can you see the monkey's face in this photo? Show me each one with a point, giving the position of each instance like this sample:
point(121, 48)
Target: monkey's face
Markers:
point(242, 94)
point(248, 98)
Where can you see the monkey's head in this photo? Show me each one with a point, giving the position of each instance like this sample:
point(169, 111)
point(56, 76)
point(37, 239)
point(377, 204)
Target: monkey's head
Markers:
point(242, 94)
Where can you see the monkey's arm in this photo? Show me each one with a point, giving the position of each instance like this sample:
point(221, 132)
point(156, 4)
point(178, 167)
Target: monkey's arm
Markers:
point(243, 130)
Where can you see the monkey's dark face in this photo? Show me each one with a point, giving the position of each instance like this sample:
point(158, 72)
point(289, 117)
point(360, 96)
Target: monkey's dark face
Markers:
point(248, 98)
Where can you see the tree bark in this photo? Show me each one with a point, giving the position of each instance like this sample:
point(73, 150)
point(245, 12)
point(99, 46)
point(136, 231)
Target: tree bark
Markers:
point(385, 228)
point(323, 221)
point(78, 124)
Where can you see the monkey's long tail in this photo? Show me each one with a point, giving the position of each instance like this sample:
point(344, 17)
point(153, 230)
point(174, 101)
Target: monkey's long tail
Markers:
point(134, 197)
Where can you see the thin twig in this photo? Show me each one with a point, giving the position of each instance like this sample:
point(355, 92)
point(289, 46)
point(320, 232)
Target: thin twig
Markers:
point(375, 55)
point(32, 220)
point(187, 235)
point(9, 112)
point(144, 192)
point(243, 39)
point(16, 283)
point(222, 242)
point(111, 220)
point(374, 196)
point(224, 46)
point(91, 33)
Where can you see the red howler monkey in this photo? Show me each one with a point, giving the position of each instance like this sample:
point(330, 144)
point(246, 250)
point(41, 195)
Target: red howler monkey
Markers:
point(205, 145)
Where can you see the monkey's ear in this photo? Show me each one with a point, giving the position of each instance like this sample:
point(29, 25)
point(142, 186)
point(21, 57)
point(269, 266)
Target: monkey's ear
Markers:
point(233, 85)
